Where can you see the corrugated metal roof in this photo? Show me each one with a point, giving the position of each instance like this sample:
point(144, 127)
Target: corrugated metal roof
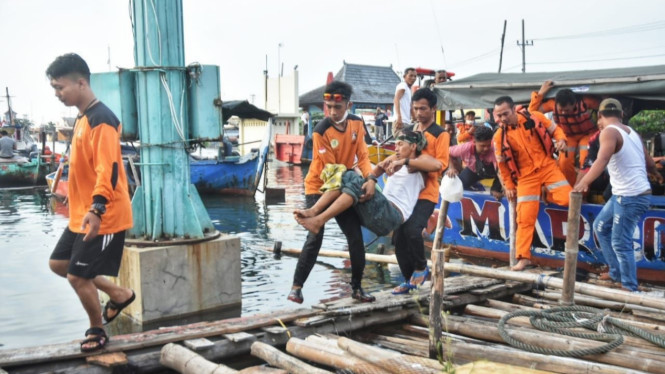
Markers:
point(371, 85)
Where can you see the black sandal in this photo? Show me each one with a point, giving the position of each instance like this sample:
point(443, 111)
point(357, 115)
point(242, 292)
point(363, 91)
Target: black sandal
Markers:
point(117, 307)
point(98, 336)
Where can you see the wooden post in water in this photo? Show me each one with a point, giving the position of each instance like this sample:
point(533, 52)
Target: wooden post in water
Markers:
point(512, 213)
point(572, 247)
point(436, 299)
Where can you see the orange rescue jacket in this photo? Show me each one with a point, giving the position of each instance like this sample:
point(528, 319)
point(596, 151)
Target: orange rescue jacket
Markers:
point(525, 148)
point(581, 121)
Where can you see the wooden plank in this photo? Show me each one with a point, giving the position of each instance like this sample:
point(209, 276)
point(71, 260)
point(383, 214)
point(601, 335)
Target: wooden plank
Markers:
point(453, 301)
point(108, 360)
point(495, 367)
point(198, 344)
point(23, 356)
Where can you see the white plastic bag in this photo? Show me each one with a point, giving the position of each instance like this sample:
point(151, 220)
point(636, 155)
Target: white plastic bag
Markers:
point(451, 189)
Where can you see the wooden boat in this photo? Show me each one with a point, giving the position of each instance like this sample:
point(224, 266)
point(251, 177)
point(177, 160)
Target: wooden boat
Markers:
point(21, 171)
point(232, 175)
point(479, 226)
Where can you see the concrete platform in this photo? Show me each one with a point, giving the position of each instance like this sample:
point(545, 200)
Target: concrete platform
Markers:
point(179, 280)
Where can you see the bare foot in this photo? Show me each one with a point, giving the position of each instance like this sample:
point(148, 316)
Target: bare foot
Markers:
point(312, 224)
point(304, 213)
point(521, 264)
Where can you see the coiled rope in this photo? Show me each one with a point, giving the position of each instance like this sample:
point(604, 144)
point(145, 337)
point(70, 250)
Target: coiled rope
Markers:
point(559, 319)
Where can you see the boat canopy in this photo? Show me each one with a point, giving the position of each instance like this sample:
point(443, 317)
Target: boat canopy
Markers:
point(644, 85)
point(243, 109)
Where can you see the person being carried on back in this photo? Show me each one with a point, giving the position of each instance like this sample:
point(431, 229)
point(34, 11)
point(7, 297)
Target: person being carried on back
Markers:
point(386, 210)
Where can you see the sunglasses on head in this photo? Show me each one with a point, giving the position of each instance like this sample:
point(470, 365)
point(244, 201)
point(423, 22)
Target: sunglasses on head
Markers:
point(334, 97)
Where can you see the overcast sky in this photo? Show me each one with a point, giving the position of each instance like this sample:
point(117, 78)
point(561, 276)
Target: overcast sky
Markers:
point(462, 36)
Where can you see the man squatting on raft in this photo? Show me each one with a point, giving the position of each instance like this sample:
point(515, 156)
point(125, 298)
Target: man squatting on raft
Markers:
point(387, 210)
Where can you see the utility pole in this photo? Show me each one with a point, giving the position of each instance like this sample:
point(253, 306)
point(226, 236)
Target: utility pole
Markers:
point(523, 45)
point(503, 38)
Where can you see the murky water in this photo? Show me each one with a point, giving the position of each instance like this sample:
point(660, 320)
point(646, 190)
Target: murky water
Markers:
point(37, 307)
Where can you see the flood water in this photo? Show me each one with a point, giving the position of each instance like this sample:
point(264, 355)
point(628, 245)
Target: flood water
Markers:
point(37, 307)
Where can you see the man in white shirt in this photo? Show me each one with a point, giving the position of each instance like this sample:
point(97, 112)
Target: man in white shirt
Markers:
point(627, 161)
point(402, 101)
point(6, 145)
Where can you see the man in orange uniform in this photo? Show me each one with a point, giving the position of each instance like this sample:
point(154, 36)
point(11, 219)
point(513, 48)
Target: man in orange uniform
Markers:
point(576, 116)
point(408, 239)
point(524, 148)
point(99, 207)
point(338, 139)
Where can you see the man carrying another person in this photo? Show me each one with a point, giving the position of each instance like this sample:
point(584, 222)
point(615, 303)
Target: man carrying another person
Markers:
point(479, 157)
point(576, 116)
point(385, 211)
point(408, 239)
point(524, 151)
point(627, 160)
point(337, 139)
point(402, 101)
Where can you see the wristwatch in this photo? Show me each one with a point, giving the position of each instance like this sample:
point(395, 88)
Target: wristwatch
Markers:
point(406, 161)
point(98, 209)
point(372, 177)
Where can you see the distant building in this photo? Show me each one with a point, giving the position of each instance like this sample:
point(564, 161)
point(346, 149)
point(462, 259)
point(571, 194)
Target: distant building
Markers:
point(373, 86)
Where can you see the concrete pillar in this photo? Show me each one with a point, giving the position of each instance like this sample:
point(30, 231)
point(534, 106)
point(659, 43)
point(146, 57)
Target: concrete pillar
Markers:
point(178, 280)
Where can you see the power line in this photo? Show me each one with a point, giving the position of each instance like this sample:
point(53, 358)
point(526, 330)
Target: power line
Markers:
point(596, 60)
point(619, 30)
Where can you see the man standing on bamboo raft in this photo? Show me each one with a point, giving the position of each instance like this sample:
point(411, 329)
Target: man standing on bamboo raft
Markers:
point(524, 151)
point(408, 239)
point(338, 139)
point(627, 160)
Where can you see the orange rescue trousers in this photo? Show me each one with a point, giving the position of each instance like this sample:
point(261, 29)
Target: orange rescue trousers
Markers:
point(576, 143)
point(528, 202)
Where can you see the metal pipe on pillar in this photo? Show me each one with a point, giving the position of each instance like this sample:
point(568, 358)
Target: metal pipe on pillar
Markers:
point(174, 253)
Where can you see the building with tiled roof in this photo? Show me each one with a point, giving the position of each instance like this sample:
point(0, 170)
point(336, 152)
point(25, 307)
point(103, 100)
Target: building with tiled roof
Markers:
point(373, 86)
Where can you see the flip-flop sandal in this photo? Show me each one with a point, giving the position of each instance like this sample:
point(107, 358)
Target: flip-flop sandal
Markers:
point(98, 336)
point(418, 274)
point(117, 307)
point(403, 289)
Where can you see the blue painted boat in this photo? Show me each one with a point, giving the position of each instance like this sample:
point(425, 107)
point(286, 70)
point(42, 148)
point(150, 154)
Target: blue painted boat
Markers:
point(236, 175)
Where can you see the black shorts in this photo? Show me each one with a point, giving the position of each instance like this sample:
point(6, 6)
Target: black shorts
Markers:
point(99, 256)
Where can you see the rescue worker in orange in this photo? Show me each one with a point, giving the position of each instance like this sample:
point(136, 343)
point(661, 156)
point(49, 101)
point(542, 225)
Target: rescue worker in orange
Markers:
point(576, 116)
point(524, 151)
point(466, 129)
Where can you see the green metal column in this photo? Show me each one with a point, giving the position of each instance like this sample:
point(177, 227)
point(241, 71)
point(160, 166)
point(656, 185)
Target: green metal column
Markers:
point(166, 206)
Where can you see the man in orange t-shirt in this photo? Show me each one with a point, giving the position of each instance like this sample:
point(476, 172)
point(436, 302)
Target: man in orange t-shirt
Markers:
point(408, 239)
point(99, 207)
point(338, 139)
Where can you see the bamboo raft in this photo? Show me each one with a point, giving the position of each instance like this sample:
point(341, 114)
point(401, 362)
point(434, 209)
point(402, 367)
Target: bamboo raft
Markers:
point(390, 335)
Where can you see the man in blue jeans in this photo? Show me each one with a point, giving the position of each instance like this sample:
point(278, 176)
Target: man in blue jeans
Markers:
point(627, 160)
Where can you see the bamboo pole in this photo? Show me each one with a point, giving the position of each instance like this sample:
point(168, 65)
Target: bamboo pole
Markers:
point(553, 282)
point(512, 212)
point(275, 357)
point(436, 292)
point(386, 259)
point(184, 361)
point(387, 360)
point(330, 356)
point(572, 248)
